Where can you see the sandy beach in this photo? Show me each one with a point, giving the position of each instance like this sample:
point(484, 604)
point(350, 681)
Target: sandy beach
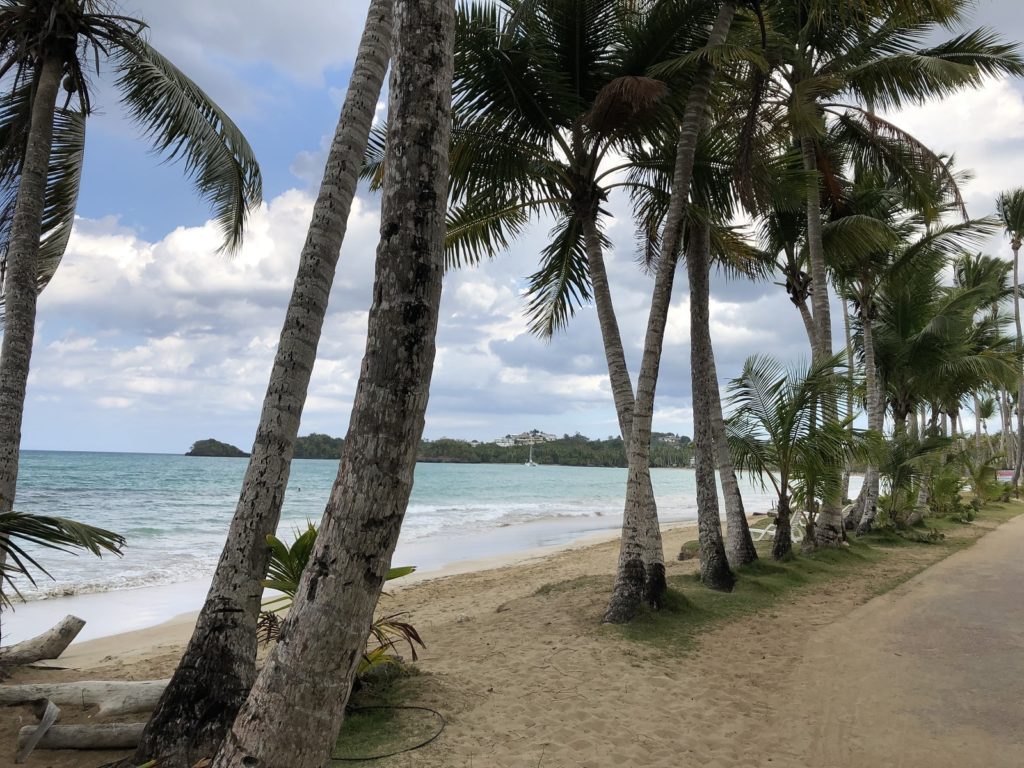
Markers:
point(525, 675)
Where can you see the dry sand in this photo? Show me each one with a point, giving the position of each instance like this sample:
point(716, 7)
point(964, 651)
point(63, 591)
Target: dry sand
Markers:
point(529, 679)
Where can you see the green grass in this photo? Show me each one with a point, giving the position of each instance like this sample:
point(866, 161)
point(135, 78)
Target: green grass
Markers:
point(690, 608)
point(375, 725)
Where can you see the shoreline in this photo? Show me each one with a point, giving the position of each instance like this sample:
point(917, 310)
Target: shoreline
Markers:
point(145, 611)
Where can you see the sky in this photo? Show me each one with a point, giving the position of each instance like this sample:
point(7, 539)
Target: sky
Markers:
point(148, 339)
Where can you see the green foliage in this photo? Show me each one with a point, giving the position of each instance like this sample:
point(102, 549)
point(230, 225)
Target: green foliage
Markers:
point(572, 451)
point(318, 446)
point(179, 119)
point(211, 447)
point(284, 573)
point(18, 529)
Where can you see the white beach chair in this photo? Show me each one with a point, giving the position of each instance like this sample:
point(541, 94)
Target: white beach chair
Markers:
point(797, 530)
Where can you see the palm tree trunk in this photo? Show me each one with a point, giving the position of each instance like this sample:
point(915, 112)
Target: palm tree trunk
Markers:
point(828, 525)
point(625, 599)
point(977, 427)
point(297, 705)
point(646, 543)
point(20, 281)
point(739, 544)
point(876, 422)
point(219, 666)
point(1019, 458)
point(812, 331)
point(845, 492)
point(714, 565)
point(782, 544)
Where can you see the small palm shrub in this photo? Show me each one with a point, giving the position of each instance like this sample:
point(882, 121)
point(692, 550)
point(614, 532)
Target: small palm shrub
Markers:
point(284, 573)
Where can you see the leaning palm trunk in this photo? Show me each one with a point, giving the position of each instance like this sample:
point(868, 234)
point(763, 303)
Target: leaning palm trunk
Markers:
point(1019, 443)
point(714, 566)
point(828, 524)
point(876, 421)
point(219, 665)
point(647, 544)
point(977, 428)
point(20, 281)
point(629, 582)
point(297, 705)
point(704, 373)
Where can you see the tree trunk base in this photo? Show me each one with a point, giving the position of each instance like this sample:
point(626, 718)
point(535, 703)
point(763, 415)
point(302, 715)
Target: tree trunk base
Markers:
point(656, 585)
point(200, 703)
point(827, 534)
point(628, 594)
point(740, 550)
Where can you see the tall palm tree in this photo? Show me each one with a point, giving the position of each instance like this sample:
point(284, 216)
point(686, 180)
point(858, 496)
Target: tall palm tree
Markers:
point(546, 94)
point(630, 575)
point(1011, 211)
point(45, 47)
point(650, 173)
point(836, 67)
point(297, 705)
point(219, 665)
point(777, 432)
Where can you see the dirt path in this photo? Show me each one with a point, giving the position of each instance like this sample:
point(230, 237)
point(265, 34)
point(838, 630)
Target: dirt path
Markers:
point(929, 675)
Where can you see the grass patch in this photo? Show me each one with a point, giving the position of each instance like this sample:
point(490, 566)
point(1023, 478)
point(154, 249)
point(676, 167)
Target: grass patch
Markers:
point(690, 607)
point(560, 587)
point(376, 724)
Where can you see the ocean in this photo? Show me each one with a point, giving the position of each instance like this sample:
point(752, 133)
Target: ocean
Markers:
point(174, 511)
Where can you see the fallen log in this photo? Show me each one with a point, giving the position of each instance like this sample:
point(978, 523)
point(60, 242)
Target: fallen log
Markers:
point(49, 716)
point(107, 736)
point(49, 645)
point(112, 697)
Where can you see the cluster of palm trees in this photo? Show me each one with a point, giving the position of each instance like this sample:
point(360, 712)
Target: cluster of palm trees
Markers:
point(745, 133)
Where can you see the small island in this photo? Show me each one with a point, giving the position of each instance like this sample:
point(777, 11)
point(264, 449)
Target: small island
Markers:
point(213, 447)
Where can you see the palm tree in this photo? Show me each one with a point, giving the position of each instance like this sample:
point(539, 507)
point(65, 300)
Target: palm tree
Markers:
point(1011, 210)
point(219, 665)
point(629, 579)
point(46, 46)
point(297, 705)
point(714, 564)
point(868, 55)
point(777, 432)
point(650, 174)
point(545, 94)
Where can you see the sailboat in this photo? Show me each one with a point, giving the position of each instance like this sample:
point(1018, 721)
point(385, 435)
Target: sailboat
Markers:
point(530, 462)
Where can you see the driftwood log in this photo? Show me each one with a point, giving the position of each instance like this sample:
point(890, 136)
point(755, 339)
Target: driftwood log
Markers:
point(112, 698)
point(107, 736)
point(49, 645)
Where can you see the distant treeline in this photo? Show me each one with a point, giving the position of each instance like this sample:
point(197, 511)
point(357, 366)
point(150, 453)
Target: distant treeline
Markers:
point(571, 451)
point(667, 450)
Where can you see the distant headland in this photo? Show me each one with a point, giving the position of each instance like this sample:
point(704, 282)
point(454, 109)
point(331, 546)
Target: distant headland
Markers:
point(667, 450)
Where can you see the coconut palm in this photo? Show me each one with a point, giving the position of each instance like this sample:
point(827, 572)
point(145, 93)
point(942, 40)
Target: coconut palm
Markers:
point(777, 432)
point(296, 707)
point(545, 94)
point(650, 173)
point(219, 664)
point(45, 48)
point(1011, 211)
point(834, 69)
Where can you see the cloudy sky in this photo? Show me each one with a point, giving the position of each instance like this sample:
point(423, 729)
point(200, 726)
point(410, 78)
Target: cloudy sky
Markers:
point(148, 339)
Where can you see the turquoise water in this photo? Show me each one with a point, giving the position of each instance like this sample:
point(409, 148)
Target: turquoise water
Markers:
point(174, 510)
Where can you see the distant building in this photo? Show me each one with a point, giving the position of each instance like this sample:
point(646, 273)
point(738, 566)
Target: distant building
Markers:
point(533, 437)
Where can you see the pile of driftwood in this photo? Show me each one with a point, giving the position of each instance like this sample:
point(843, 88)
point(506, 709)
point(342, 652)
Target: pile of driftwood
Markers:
point(111, 698)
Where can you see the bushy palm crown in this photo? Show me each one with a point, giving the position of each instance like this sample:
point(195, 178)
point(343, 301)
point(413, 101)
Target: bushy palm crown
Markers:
point(1010, 206)
point(180, 120)
point(546, 92)
point(932, 345)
